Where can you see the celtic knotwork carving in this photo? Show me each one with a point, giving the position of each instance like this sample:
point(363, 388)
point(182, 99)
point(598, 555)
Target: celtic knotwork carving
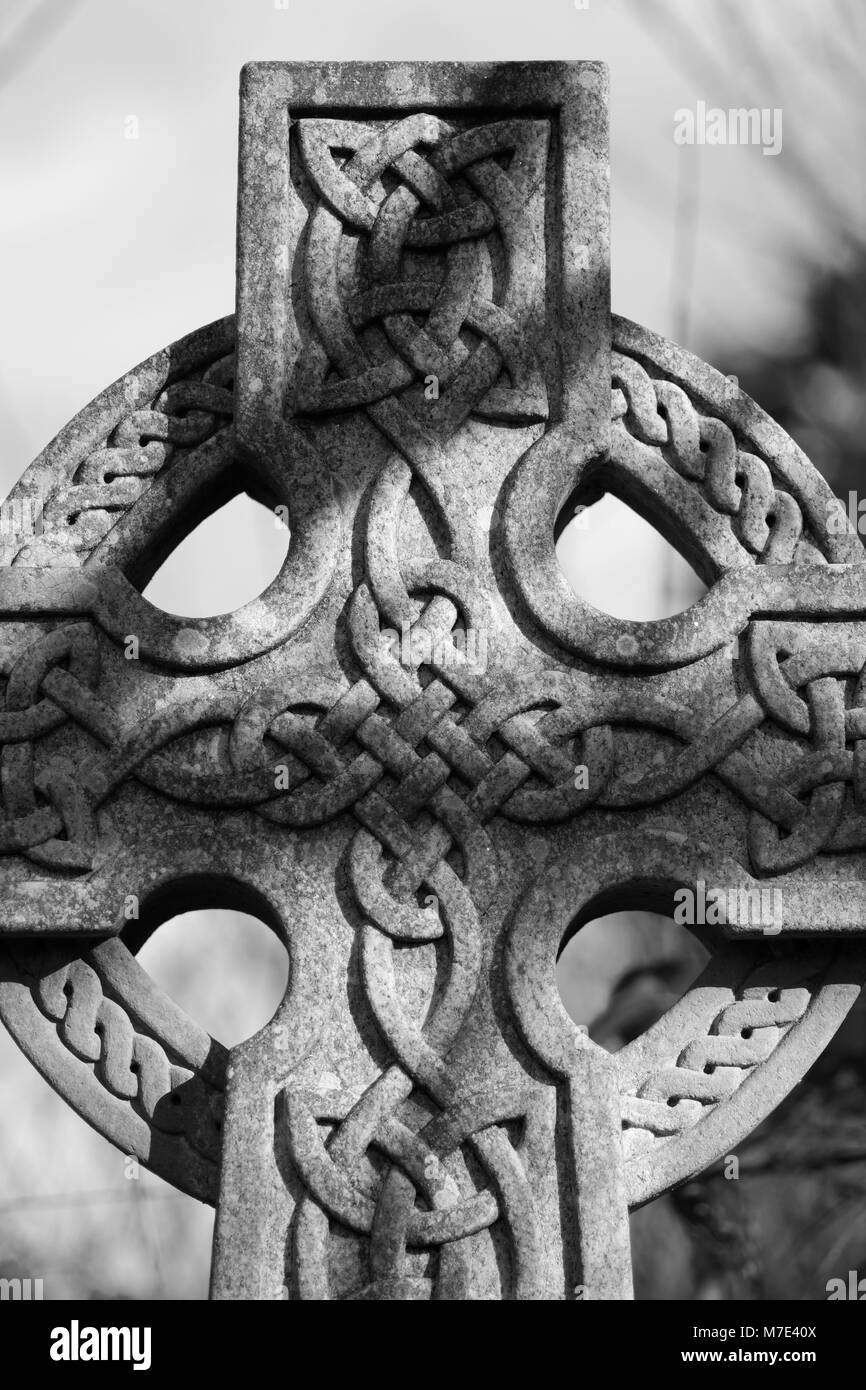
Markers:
point(420, 186)
point(418, 755)
point(708, 1070)
point(161, 1097)
point(802, 681)
point(766, 519)
point(149, 440)
point(130, 1064)
point(395, 683)
point(534, 781)
point(41, 693)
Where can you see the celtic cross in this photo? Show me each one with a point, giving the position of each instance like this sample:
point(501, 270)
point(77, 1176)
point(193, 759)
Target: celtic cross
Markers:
point(418, 755)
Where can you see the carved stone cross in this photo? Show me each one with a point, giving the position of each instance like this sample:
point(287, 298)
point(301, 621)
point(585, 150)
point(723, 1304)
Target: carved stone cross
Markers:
point(418, 755)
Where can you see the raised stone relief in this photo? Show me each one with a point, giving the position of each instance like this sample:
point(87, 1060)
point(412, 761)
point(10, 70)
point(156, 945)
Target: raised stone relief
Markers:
point(418, 755)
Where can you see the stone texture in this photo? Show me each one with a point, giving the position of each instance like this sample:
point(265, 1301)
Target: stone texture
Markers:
point(418, 755)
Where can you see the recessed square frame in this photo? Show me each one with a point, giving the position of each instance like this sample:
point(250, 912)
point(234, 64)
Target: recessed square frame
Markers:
point(574, 96)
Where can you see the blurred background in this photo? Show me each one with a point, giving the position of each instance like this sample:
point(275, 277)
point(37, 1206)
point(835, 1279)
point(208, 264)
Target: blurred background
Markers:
point(118, 167)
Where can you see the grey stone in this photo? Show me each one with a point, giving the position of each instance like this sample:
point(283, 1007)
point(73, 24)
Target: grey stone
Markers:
point(428, 376)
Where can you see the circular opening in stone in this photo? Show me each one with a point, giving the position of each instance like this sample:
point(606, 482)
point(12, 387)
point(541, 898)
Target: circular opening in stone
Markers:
point(225, 966)
point(620, 972)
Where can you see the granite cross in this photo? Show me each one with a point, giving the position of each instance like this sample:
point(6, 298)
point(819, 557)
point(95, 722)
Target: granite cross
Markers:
point(418, 755)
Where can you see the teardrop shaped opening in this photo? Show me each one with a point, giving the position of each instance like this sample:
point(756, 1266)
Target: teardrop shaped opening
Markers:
point(620, 972)
point(619, 563)
point(226, 561)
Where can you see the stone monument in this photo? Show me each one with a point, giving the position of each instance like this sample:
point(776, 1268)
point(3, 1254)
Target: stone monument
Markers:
point(418, 756)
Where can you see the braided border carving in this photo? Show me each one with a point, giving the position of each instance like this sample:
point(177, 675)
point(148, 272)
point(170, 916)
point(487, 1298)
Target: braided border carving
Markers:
point(427, 758)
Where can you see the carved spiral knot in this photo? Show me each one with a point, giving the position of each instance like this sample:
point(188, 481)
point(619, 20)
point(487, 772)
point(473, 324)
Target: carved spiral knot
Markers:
point(419, 186)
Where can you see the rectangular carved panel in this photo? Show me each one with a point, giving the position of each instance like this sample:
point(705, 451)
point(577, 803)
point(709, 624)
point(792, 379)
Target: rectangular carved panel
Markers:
point(428, 235)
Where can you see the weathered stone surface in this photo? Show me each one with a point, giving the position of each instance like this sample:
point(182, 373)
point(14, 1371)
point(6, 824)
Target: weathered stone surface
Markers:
point(418, 755)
